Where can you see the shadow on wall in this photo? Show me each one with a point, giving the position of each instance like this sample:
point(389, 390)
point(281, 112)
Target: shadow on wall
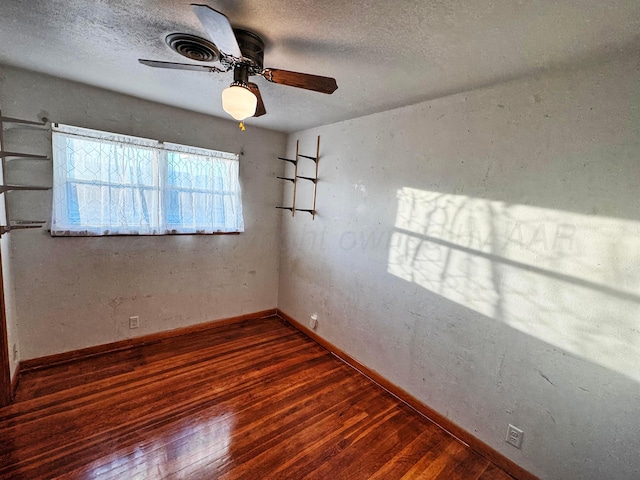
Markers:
point(568, 279)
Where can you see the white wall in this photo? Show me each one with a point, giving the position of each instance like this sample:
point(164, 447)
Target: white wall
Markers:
point(78, 292)
point(481, 251)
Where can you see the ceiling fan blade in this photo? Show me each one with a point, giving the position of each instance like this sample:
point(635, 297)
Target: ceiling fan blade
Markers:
point(219, 29)
point(180, 66)
point(301, 80)
point(260, 110)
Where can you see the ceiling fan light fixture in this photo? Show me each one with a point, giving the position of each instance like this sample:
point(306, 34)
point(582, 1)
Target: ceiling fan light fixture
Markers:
point(239, 102)
point(242, 51)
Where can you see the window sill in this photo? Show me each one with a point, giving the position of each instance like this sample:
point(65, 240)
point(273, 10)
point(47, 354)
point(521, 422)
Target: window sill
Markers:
point(85, 235)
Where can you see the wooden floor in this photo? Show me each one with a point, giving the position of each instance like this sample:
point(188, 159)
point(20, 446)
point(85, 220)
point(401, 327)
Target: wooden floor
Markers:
point(252, 400)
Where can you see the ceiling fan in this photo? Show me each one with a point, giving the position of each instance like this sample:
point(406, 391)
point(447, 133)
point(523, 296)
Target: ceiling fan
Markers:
point(241, 51)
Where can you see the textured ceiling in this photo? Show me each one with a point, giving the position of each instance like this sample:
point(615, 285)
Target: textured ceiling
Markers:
point(383, 54)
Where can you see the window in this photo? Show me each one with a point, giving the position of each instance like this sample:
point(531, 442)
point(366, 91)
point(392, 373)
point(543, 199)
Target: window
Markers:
point(109, 184)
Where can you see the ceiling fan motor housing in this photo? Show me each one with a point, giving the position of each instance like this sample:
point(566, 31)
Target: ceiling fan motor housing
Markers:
point(252, 48)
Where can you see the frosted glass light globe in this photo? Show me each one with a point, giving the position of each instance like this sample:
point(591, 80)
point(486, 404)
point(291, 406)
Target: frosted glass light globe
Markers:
point(239, 102)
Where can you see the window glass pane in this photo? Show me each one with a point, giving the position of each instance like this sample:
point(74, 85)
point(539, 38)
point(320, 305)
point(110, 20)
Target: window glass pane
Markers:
point(196, 189)
point(107, 184)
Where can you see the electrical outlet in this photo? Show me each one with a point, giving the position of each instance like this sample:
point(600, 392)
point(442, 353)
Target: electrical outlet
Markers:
point(514, 436)
point(313, 323)
point(134, 322)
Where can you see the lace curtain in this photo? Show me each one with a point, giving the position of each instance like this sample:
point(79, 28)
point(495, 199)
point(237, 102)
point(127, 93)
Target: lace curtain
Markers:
point(108, 184)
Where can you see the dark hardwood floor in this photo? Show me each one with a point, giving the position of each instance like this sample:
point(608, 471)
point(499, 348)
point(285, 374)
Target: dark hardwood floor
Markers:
point(252, 400)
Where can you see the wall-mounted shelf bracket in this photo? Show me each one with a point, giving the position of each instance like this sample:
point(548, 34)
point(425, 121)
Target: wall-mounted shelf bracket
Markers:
point(312, 212)
point(288, 160)
point(4, 188)
point(311, 179)
point(23, 155)
point(7, 188)
point(8, 228)
point(17, 223)
point(315, 184)
point(295, 178)
point(21, 121)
